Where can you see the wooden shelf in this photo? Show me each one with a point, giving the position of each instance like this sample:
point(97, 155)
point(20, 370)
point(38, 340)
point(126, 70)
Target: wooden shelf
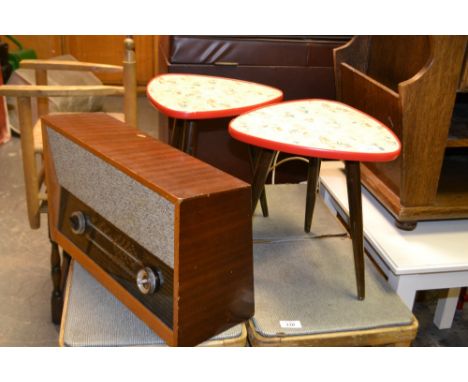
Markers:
point(458, 133)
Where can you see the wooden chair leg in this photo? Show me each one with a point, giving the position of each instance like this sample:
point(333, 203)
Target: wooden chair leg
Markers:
point(31, 180)
point(264, 160)
point(312, 180)
point(130, 83)
point(263, 198)
point(353, 183)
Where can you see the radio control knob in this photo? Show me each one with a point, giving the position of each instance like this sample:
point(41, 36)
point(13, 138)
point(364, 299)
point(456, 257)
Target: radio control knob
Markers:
point(148, 281)
point(78, 222)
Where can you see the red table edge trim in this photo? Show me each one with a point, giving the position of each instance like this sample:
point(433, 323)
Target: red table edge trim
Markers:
point(320, 153)
point(211, 114)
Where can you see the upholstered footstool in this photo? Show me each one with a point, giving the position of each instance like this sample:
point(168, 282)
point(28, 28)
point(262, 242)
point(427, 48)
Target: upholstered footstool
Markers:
point(305, 296)
point(94, 317)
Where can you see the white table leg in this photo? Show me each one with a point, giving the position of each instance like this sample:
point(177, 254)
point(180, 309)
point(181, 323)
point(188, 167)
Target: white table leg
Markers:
point(445, 309)
point(403, 288)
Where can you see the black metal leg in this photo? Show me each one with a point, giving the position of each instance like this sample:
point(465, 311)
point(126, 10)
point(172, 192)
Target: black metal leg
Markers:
point(353, 182)
point(253, 162)
point(262, 166)
point(312, 180)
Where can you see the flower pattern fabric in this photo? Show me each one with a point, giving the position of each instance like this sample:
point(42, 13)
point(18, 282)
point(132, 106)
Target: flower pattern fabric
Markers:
point(317, 124)
point(196, 93)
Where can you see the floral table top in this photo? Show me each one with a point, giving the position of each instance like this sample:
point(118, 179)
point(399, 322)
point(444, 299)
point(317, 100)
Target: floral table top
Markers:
point(321, 128)
point(190, 96)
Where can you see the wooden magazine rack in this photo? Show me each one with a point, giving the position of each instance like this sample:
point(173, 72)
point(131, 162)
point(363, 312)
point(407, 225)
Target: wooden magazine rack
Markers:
point(415, 85)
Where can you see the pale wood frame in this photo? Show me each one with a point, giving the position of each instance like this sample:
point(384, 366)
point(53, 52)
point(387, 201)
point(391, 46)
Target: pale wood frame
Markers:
point(387, 336)
point(33, 167)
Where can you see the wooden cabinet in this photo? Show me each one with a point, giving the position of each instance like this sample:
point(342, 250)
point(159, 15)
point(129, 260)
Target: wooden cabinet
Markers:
point(415, 85)
point(101, 49)
point(44, 46)
point(109, 50)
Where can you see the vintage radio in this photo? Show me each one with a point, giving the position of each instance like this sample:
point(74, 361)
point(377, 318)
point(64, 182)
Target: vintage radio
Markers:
point(167, 234)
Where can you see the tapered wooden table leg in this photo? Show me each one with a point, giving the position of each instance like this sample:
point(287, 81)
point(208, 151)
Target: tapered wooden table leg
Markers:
point(182, 136)
point(253, 163)
point(353, 183)
point(263, 163)
point(312, 180)
point(192, 137)
point(185, 137)
point(175, 134)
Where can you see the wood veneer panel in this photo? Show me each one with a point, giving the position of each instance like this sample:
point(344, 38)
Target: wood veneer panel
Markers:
point(176, 175)
point(226, 296)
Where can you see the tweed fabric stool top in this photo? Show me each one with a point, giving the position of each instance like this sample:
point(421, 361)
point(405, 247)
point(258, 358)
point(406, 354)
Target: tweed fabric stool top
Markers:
point(94, 317)
point(308, 282)
point(285, 216)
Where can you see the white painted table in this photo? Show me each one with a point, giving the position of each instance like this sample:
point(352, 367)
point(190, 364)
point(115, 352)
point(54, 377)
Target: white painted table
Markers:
point(433, 256)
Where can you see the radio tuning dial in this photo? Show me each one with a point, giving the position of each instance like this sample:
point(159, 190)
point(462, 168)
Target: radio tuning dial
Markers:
point(148, 281)
point(78, 222)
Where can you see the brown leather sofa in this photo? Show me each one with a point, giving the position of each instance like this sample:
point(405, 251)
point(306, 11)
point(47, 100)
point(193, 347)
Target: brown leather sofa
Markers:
point(301, 66)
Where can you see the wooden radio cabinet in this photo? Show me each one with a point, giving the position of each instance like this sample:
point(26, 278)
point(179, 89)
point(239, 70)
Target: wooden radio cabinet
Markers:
point(168, 235)
point(415, 85)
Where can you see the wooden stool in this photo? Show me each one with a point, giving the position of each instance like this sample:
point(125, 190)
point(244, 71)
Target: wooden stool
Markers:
point(318, 129)
point(94, 317)
point(191, 97)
